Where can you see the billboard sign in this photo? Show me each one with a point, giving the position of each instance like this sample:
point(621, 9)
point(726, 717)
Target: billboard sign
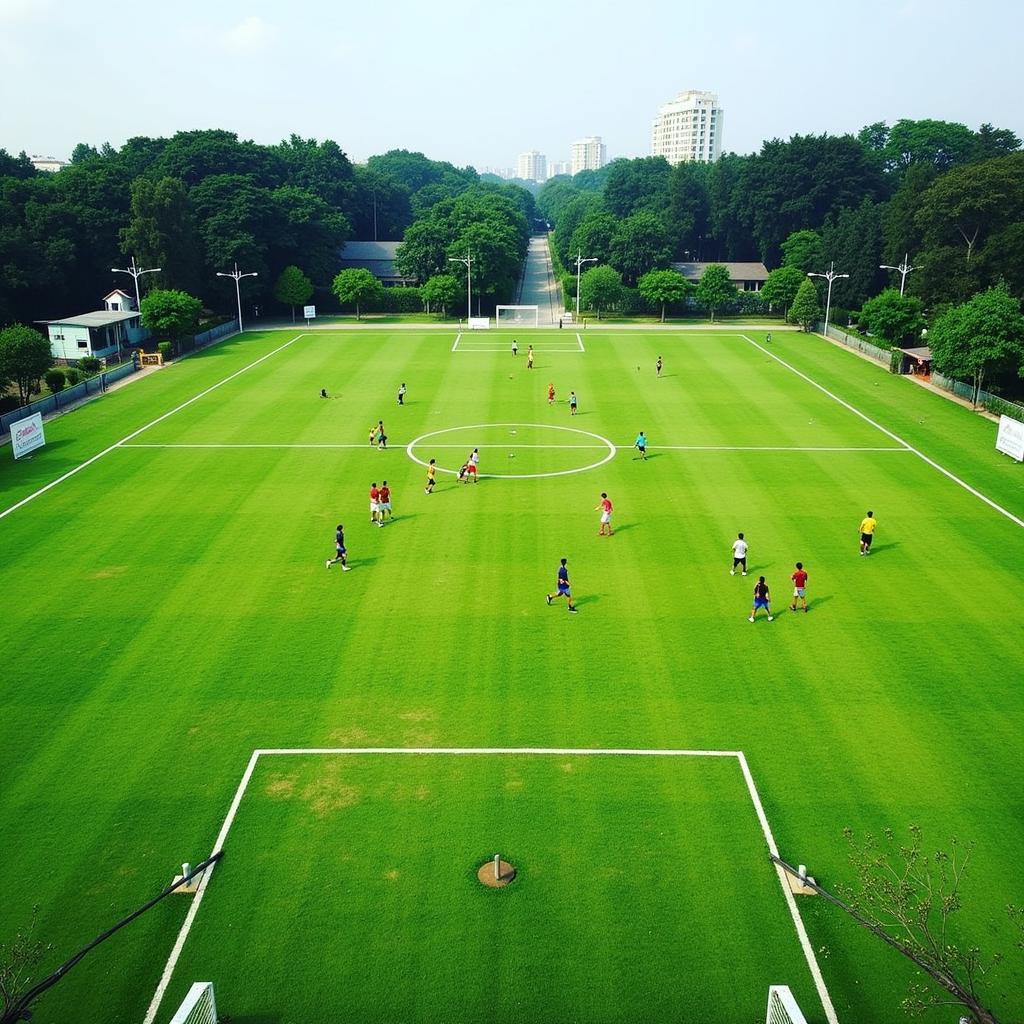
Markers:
point(27, 435)
point(1010, 439)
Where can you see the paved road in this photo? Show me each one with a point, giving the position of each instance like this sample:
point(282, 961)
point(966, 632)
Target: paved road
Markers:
point(539, 287)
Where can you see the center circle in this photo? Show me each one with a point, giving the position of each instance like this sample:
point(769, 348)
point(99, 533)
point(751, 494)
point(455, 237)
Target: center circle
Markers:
point(603, 442)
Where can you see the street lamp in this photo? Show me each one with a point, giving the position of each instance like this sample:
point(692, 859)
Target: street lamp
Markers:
point(468, 260)
point(830, 277)
point(236, 275)
point(904, 268)
point(579, 263)
point(136, 272)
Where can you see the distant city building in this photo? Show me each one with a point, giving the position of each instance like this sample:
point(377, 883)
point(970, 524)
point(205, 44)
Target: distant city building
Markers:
point(689, 128)
point(556, 167)
point(48, 163)
point(588, 154)
point(499, 172)
point(532, 166)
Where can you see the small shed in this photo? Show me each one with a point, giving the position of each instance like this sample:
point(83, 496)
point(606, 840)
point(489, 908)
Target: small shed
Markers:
point(100, 333)
point(119, 301)
point(376, 257)
point(916, 361)
point(748, 277)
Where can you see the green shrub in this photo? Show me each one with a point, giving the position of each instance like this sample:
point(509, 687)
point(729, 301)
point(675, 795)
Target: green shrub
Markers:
point(166, 349)
point(72, 375)
point(89, 365)
point(55, 380)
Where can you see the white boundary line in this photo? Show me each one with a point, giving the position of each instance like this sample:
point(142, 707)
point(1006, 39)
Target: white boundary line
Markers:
point(763, 448)
point(455, 343)
point(805, 944)
point(135, 433)
point(579, 341)
point(144, 445)
point(515, 444)
point(878, 426)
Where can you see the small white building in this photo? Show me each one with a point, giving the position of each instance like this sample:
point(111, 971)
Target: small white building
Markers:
point(119, 301)
point(101, 333)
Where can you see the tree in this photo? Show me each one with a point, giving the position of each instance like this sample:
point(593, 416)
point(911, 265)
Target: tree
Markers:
point(293, 288)
point(593, 237)
point(171, 313)
point(910, 899)
point(892, 316)
point(802, 249)
point(24, 358)
point(638, 184)
point(976, 338)
point(664, 286)
point(806, 308)
point(715, 288)
point(640, 243)
point(19, 957)
point(441, 290)
point(781, 287)
point(355, 286)
point(600, 287)
point(942, 144)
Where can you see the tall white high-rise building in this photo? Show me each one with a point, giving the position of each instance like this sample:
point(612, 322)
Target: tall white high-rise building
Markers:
point(689, 128)
point(532, 166)
point(588, 154)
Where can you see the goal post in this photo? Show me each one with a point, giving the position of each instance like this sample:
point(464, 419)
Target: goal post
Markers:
point(517, 316)
point(198, 1007)
point(782, 1007)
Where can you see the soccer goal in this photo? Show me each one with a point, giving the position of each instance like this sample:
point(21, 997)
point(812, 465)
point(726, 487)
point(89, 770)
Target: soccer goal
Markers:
point(198, 1006)
point(782, 1007)
point(517, 316)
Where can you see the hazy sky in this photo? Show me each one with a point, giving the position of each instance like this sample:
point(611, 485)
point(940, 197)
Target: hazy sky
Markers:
point(478, 82)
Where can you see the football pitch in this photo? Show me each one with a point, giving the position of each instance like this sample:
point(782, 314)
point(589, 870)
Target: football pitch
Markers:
point(181, 672)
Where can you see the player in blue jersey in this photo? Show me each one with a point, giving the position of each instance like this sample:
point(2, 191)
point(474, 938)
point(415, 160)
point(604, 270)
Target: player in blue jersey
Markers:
point(563, 587)
point(339, 547)
point(640, 444)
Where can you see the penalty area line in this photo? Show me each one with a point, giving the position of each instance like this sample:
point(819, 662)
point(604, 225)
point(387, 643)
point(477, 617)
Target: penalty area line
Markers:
point(243, 785)
point(135, 433)
point(888, 433)
point(455, 343)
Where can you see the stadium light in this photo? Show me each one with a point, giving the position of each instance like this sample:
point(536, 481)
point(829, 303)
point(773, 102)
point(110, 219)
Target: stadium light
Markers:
point(468, 260)
point(904, 268)
point(237, 276)
point(579, 263)
point(136, 272)
point(830, 277)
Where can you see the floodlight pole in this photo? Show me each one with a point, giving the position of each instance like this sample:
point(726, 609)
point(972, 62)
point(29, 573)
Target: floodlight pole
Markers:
point(237, 276)
point(579, 263)
point(468, 260)
point(136, 272)
point(904, 268)
point(830, 277)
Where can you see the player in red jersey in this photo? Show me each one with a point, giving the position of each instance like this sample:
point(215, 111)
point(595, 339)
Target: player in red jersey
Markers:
point(551, 394)
point(385, 502)
point(799, 579)
point(605, 508)
point(375, 504)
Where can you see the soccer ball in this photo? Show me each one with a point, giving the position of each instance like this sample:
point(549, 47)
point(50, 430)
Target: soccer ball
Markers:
point(511, 455)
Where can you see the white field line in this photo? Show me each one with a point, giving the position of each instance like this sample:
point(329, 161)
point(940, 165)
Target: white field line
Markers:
point(538, 351)
point(243, 785)
point(455, 343)
point(145, 445)
point(135, 433)
point(516, 444)
point(798, 922)
point(763, 448)
point(878, 426)
point(579, 341)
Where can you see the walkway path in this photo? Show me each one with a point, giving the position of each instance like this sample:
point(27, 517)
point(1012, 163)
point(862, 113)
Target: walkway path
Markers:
point(539, 287)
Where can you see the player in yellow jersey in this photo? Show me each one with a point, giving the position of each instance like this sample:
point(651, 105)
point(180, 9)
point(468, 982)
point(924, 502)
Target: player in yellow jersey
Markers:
point(431, 473)
point(867, 532)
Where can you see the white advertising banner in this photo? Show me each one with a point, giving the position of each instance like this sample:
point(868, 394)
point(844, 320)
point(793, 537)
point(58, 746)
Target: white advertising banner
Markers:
point(1010, 439)
point(27, 435)
point(309, 312)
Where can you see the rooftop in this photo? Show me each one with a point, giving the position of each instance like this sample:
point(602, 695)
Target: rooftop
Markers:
point(98, 318)
point(737, 271)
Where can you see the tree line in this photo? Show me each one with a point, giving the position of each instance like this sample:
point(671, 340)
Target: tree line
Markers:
point(196, 203)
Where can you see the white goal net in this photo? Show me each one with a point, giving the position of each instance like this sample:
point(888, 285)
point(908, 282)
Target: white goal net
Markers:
point(517, 316)
point(782, 1008)
point(198, 1006)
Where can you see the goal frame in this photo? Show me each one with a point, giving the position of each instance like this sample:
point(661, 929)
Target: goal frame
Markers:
point(536, 316)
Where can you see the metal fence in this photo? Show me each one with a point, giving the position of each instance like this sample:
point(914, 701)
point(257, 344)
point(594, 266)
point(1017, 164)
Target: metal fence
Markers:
point(198, 341)
point(69, 396)
point(880, 355)
point(984, 398)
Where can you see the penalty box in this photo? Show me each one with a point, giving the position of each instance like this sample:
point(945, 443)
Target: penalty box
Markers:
point(501, 341)
point(628, 856)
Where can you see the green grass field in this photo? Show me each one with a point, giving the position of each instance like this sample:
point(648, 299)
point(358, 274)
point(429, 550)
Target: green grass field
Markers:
point(168, 613)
